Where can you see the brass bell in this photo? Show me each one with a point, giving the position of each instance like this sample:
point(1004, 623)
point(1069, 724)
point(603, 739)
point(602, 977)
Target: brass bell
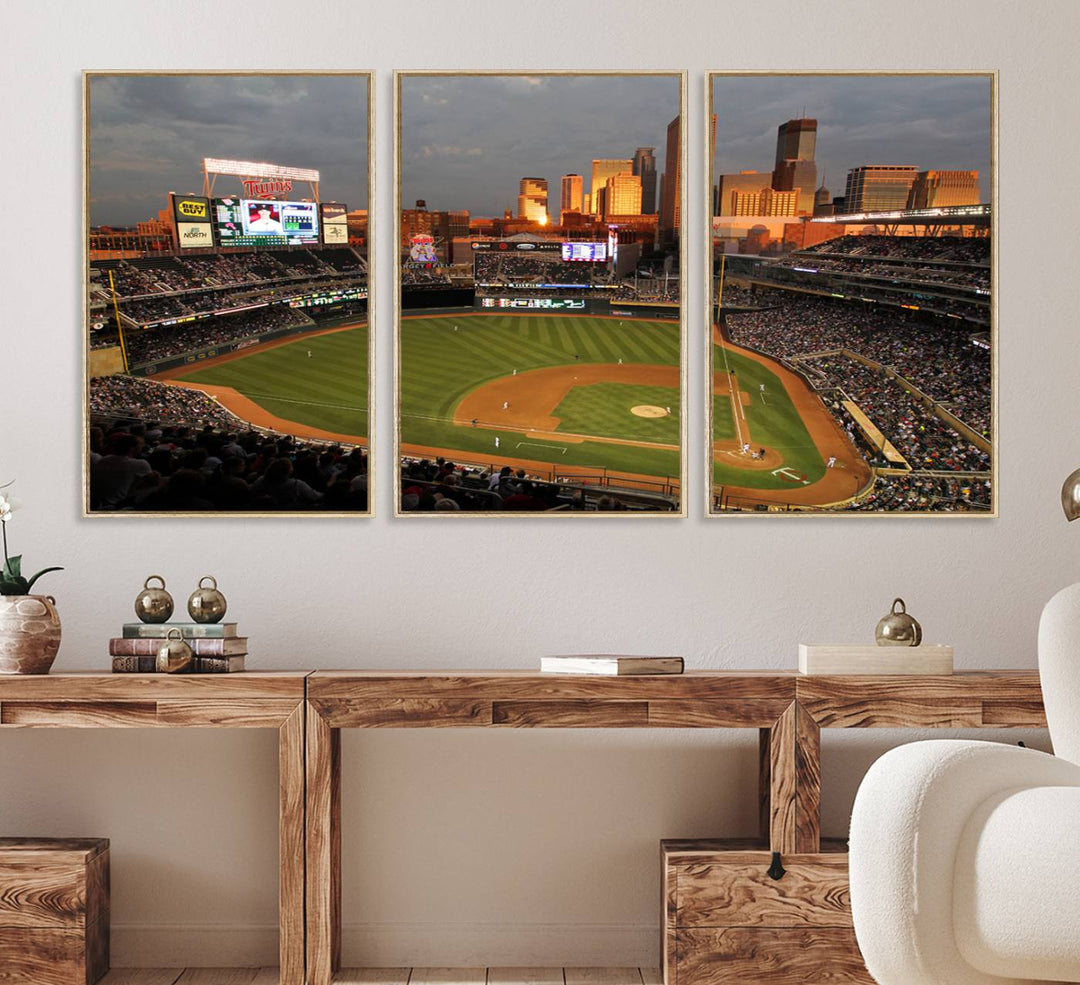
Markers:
point(174, 655)
point(898, 628)
point(153, 604)
point(207, 604)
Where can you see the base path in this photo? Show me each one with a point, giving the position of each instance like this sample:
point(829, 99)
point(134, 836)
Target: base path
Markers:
point(838, 484)
point(533, 395)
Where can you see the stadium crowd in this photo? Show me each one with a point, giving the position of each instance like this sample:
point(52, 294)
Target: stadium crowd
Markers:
point(939, 359)
point(134, 396)
point(955, 249)
point(925, 494)
point(168, 275)
point(159, 448)
point(975, 278)
point(925, 441)
point(155, 344)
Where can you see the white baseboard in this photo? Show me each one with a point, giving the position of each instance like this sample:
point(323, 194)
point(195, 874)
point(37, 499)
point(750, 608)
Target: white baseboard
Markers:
point(395, 945)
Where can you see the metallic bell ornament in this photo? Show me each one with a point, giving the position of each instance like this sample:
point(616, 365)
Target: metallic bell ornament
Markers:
point(1070, 496)
point(174, 656)
point(154, 604)
point(898, 628)
point(207, 604)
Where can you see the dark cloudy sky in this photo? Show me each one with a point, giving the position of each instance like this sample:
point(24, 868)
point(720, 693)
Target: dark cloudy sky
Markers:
point(149, 134)
point(468, 141)
point(928, 121)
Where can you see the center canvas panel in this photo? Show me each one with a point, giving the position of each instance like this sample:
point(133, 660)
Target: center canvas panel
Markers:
point(539, 326)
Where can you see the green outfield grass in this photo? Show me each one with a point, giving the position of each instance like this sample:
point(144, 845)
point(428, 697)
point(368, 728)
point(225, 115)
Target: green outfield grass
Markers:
point(439, 366)
point(328, 390)
point(773, 421)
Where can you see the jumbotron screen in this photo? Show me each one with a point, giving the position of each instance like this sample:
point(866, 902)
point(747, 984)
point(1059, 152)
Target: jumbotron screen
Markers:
point(254, 222)
point(585, 252)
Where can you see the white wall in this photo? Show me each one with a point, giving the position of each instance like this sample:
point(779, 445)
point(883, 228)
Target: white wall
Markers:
point(505, 847)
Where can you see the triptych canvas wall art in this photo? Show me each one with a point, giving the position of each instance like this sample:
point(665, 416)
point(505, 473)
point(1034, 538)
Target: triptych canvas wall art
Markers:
point(542, 249)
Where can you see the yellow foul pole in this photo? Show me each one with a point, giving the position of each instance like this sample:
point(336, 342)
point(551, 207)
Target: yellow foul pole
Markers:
point(119, 326)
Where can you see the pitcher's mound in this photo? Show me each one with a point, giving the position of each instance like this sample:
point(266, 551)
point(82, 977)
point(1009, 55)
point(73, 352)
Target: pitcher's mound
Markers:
point(649, 410)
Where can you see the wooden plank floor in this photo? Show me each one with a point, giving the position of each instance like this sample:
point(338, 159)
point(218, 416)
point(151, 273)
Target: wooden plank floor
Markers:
point(498, 976)
point(392, 976)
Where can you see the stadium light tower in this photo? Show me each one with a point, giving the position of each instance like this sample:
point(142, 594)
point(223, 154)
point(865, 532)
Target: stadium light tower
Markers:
point(260, 179)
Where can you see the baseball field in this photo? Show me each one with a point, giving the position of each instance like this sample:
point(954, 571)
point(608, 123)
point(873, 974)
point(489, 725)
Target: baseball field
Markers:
point(791, 435)
point(574, 392)
point(313, 386)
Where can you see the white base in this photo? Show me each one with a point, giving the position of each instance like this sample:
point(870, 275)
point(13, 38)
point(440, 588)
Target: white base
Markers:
point(817, 658)
point(388, 945)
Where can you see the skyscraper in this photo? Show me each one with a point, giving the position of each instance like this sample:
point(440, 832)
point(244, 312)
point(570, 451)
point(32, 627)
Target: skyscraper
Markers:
point(796, 140)
point(794, 168)
point(645, 169)
point(602, 169)
point(671, 182)
point(937, 189)
point(571, 194)
point(533, 199)
point(878, 188)
point(672, 186)
point(743, 184)
point(622, 195)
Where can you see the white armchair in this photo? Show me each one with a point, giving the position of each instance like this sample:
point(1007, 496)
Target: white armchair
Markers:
point(965, 856)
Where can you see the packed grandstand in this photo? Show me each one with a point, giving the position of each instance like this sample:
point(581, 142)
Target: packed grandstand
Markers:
point(172, 305)
point(891, 331)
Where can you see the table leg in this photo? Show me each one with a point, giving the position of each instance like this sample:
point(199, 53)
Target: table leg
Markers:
point(291, 848)
point(323, 849)
point(793, 773)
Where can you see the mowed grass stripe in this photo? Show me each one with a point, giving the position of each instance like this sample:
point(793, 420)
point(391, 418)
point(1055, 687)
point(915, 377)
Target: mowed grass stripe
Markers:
point(440, 366)
point(328, 390)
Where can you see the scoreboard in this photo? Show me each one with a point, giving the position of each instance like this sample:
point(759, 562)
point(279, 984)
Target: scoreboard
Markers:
point(585, 252)
point(255, 222)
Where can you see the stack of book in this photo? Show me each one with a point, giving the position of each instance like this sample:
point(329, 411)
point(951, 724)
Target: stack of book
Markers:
point(610, 664)
point(217, 648)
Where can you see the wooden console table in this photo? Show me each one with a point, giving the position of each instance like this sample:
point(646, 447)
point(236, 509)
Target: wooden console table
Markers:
point(789, 710)
point(248, 700)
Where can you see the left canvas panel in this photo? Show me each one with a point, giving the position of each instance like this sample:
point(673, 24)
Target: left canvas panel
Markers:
point(227, 348)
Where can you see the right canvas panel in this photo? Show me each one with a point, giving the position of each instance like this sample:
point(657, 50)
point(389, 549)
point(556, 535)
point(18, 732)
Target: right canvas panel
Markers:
point(851, 309)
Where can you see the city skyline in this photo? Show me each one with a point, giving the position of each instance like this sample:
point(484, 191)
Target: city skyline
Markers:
point(149, 134)
point(467, 141)
point(931, 122)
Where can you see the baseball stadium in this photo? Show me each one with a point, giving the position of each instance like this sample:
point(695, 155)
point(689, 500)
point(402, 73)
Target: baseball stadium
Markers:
point(228, 350)
point(855, 375)
point(542, 374)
